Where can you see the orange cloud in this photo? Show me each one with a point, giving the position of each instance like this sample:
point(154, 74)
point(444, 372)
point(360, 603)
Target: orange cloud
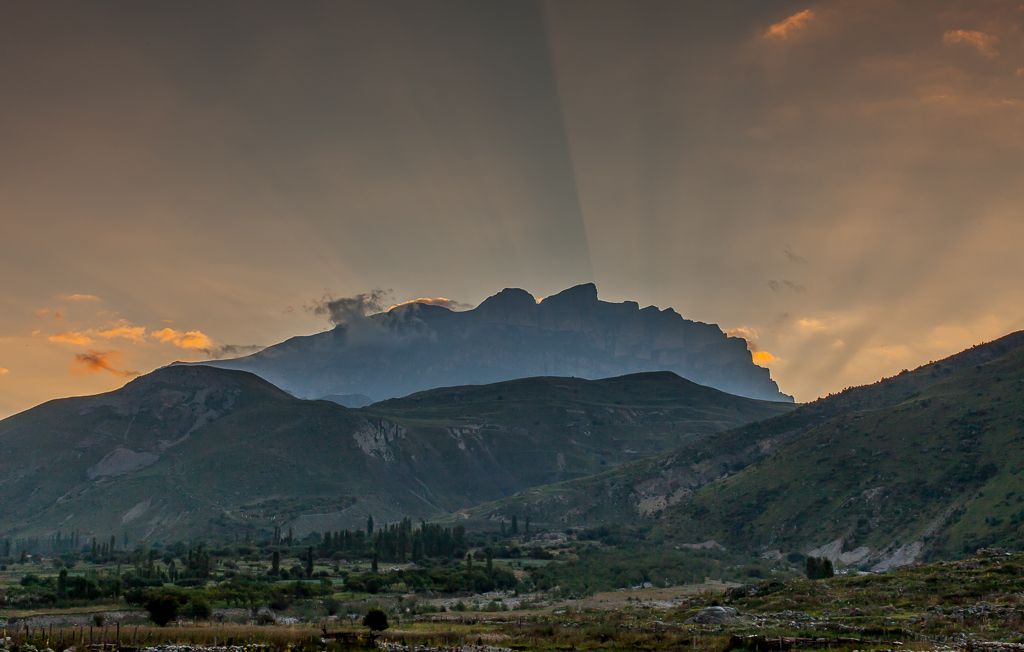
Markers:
point(124, 331)
point(4, 371)
point(71, 337)
point(762, 357)
point(79, 297)
point(789, 27)
point(96, 361)
point(984, 43)
point(192, 340)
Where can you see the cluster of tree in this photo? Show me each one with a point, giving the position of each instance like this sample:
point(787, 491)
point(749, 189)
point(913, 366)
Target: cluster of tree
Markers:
point(64, 589)
point(446, 578)
point(818, 568)
point(398, 542)
point(512, 528)
point(164, 605)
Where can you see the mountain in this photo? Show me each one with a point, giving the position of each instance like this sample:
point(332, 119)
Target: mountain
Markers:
point(923, 465)
point(418, 346)
point(194, 451)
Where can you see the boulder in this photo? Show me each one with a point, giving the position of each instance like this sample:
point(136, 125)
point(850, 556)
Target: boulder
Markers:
point(715, 616)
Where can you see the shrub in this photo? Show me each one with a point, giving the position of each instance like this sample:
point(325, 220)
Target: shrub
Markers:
point(197, 609)
point(376, 620)
point(162, 608)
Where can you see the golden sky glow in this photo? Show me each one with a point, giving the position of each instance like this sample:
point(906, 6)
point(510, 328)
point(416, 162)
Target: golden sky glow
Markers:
point(839, 182)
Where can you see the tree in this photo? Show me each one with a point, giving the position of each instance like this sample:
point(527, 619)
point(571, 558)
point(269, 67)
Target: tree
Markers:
point(275, 563)
point(373, 564)
point(515, 524)
point(818, 568)
point(376, 620)
point(197, 609)
point(62, 584)
point(369, 525)
point(309, 561)
point(162, 608)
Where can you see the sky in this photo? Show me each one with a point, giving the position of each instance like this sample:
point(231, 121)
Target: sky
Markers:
point(840, 182)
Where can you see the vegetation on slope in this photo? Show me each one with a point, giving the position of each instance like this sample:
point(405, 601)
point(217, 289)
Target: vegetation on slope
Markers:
point(923, 464)
point(192, 451)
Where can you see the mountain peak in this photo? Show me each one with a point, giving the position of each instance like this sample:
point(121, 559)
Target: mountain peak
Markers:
point(578, 294)
point(512, 305)
point(511, 335)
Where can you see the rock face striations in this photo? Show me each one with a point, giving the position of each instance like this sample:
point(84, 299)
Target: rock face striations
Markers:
point(510, 335)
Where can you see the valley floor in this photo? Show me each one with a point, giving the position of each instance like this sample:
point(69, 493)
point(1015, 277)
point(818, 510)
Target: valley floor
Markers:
point(975, 603)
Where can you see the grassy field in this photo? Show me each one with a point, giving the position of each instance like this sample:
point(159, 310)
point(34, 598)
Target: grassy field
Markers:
point(944, 604)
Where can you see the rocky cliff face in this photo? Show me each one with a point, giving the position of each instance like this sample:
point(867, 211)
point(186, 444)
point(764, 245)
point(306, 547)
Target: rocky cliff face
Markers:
point(510, 335)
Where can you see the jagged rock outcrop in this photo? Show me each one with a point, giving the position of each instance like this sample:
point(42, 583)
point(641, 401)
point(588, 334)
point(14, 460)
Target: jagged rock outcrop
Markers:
point(510, 335)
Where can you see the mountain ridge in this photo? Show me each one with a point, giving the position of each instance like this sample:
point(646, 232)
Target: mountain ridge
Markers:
point(417, 346)
point(200, 451)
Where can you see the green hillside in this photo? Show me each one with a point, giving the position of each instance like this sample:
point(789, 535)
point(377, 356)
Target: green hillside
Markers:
point(921, 465)
point(936, 475)
point(192, 451)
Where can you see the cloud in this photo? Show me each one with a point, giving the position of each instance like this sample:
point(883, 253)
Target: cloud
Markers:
point(125, 331)
point(193, 340)
point(346, 310)
point(79, 297)
point(792, 256)
point(1020, 72)
point(45, 312)
point(785, 284)
point(4, 371)
point(762, 357)
point(789, 27)
point(96, 361)
point(233, 349)
point(748, 333)
point(71, 337)
point(811, 324)
point(444, 302)
point(751, 335)
point(985, 44)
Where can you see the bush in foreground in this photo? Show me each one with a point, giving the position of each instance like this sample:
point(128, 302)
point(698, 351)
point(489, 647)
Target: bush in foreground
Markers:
point(376, 620)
